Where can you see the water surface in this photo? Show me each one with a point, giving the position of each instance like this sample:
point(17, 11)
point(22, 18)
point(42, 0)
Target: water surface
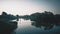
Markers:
point(25, 27)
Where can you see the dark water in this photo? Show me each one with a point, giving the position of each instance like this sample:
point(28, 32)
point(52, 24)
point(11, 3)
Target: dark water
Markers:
point(25, 27)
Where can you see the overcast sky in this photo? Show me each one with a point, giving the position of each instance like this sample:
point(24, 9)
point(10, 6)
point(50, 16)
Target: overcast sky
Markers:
point(27, 7)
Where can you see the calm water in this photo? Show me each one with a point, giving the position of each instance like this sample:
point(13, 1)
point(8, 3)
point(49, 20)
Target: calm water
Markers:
point(25, 27)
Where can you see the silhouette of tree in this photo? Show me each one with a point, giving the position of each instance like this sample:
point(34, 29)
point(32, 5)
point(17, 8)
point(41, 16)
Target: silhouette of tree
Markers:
point(17, 17)
point(4, 13)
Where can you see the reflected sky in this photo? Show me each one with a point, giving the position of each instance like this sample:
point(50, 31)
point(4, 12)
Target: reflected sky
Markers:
point(25, 27)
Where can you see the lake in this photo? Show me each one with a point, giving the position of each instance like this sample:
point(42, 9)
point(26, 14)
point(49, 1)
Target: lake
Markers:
point(25, 27)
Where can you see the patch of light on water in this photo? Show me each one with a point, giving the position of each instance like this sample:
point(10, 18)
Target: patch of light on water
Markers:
point(24, 26)
point(24, 22)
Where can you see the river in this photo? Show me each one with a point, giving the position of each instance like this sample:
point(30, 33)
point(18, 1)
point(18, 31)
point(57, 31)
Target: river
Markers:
point(25, 27)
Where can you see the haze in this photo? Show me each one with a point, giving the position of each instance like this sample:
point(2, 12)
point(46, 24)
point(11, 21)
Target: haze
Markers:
point(27, 7)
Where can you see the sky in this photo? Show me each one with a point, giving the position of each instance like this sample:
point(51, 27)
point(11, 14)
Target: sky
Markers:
point(27, 7)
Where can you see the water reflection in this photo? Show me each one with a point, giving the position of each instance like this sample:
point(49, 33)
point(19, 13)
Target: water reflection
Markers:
point(25, 27)
point(43, 24)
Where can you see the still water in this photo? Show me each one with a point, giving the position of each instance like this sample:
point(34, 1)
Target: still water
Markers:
point(25, 27)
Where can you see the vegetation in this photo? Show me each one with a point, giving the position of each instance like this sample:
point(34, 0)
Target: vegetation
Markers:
point(6, 24)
